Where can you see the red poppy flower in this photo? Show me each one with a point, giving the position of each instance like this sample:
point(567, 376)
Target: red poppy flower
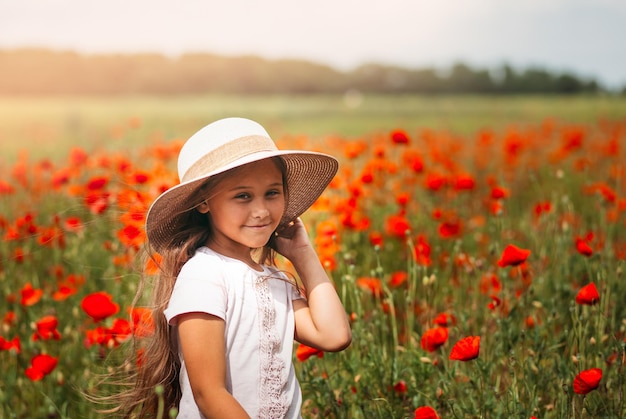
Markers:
point(131, 236)
point(466, 349)
point(587, 381)
point(434, 181)
point(9, 318)
point(413, 160)
point(63, 293)
point(425, 412)
point(379, 151)
point(14, 344)
point(109, 337)
point(542, 207)
point(11, 234)
point(397, 225)
point(99, 306)
point(74, 224)
point(464, 182)
point(498, 192)
point(328, 262)
point(374, 285)
point(572, 139)
point(97, 183)
point(367, 176)
point(6, 188)
point(403, 198)
point(490, 284)
point(513, 256)
point(304, 352)
point(25, 225)
point(153, 264)
point(399, 137)
point(532, 321)
point(355, 220)
point(19, 255)
point(95, 336)
point(30, 295)
point(50, 236)
point(376, 238)
point(602, 189)
point(583, 247)
point(143, 323)
point(68, 286)
point(327, 230)
point(449, 229)
point(141, 356)
point(400, 387)
point(445, 320)
point(78, 156)
point(97, 202)
point(496, 208)
point(434, 338)
point(495, 302)
point(60, 177)
point(120, 331)
point(422, 251)
point(47, 328)
point(588, 295)
point(398, 278)
point(140, 178)
point(438, 213)
point(354, 149)
point(41, 365)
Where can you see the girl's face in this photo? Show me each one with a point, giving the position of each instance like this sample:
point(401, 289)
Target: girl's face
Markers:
point(246, 209)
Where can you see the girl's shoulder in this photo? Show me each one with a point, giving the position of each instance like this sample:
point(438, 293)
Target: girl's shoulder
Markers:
point(207, 260)
point(203, 256)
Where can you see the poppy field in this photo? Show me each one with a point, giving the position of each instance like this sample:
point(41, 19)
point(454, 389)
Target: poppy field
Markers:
point(483, 272)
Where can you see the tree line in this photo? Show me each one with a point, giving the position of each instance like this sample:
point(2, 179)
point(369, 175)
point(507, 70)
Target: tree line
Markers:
point(46, 72)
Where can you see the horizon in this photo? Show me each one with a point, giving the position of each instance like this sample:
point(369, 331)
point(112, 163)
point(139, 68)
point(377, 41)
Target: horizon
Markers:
point(441, 70)
point(581, 37)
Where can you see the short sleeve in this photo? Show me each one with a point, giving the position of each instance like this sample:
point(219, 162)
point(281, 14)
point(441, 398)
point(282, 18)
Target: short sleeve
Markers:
point(296, 294)
point(197, 290)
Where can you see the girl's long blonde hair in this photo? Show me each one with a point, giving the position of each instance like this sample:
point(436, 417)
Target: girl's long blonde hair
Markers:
point(159, 363)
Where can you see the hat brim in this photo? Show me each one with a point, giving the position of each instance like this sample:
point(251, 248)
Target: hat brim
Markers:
point(307, 176)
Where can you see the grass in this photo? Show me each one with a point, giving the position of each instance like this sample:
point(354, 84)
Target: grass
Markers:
point(412, 234)
point(49, 126)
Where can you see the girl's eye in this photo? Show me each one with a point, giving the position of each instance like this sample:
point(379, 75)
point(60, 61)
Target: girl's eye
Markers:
point(273, 193)
point(242, 196)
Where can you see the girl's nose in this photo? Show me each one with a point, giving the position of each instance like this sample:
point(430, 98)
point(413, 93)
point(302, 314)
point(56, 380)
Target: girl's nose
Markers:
point(260, 211)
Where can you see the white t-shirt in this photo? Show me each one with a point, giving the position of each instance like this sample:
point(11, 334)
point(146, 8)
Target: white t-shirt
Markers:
point(258, 312)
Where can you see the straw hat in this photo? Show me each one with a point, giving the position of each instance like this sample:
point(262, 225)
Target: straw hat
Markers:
point(226, 144)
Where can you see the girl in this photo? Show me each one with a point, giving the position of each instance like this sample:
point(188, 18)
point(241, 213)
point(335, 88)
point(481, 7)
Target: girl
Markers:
point(225, 316)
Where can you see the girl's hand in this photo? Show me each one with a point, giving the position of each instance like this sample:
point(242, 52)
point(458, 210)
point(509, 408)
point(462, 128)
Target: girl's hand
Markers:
point(292, 239)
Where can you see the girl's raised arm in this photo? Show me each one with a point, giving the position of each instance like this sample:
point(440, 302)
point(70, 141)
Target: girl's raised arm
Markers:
point(202, 345)
point(321, 320)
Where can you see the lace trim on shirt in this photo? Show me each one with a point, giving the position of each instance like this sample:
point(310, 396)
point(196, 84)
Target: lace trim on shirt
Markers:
point(273, 402)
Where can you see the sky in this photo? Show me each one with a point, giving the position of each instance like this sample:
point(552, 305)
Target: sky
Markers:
point(584, 37)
